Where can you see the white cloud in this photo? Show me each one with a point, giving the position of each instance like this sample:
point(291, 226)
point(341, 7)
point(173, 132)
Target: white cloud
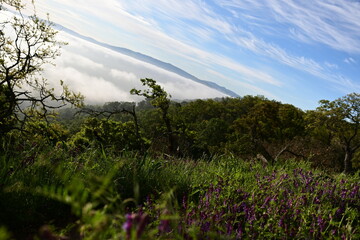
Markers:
point(310, 22)
point(308, 65)
point(334, 23)
point(350, 60)
point(80, 61)
point(127, 76)
point(331, 65)
point(116, 75)
point(248, 88)
point(96, 90)
point(175, 10)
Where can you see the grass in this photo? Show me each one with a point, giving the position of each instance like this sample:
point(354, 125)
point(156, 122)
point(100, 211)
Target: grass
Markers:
point(97, 194)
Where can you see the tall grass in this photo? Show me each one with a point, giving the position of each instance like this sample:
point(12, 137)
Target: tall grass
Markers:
point(97, 194)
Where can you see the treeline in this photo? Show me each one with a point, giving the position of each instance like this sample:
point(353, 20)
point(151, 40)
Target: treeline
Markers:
point(249, 127)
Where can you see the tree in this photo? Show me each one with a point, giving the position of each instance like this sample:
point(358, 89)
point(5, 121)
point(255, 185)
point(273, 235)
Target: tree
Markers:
point(258, 127)
point(26, 45)
point(343, 120)
point(267, 123)
point(160, 99)
point(317, 127)
point(111, 109)
point(107, 133)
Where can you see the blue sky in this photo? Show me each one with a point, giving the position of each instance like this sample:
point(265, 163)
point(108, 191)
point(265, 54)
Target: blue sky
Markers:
point(297, 52)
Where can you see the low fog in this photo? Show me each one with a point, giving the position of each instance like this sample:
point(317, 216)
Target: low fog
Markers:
point(103, 75)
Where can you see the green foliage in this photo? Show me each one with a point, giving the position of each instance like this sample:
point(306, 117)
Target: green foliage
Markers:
point(7, 121)
point(93, 200)
point(160, 99)
point(265, 123)
point(4, 234)
point(157, 95)
point(343, 121)
point(109, 134)
point(272, 121)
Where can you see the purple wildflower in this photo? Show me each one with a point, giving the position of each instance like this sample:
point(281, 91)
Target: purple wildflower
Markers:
point(317, 200)
point(164, 226)
point(354, 192)
point(267, 200)
point(136, 221)
point(205, 227)
point(127, 226)
point(321, 223)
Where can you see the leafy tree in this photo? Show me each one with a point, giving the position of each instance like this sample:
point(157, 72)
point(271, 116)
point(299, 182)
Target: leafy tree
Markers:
point(343, 121)
point(291, 121)
point(267, 123)
point(108, 134)
point(205, 125)
point(257, 128)
point(317, 127)
point(160, 99)
point(212, 135)
point(201, 110)
point(238, 107)
point(26, 45)
point(112, 109)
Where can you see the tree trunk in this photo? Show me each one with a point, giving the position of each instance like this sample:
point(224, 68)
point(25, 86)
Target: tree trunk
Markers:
point(171, 137)
point(136, 122)
point(347, 160)
point(261, 149)
point(281, 152)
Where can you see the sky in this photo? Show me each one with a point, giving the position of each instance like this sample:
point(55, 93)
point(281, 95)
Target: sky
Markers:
point(296, 52)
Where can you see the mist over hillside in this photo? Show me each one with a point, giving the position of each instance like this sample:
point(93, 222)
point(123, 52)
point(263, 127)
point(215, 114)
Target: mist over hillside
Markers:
point(104, 73)
point(153, 61)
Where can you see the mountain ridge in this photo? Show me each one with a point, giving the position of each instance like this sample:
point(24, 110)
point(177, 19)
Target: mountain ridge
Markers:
point(148, 59)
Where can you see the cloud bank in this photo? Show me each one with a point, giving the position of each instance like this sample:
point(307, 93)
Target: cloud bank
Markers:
point(102, 75)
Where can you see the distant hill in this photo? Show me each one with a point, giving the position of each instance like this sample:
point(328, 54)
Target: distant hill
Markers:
point(144, 58)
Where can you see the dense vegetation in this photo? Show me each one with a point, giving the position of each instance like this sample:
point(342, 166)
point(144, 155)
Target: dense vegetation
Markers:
point(99, 195)
point(231, 168)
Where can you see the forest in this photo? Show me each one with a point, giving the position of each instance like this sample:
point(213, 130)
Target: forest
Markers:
point(226, 168)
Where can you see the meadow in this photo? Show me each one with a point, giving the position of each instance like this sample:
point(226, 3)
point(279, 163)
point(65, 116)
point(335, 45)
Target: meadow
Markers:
point(55, 193)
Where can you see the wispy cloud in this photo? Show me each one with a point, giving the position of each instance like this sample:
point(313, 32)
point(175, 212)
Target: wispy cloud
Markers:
point(311, 24)
point(334, 23)
point(248, 88)
point(325, 71)
point(185, 10)
point(331, 65)
point(350, 60)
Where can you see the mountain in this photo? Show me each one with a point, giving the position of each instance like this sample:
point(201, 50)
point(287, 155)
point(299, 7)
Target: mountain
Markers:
point(142, 57)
